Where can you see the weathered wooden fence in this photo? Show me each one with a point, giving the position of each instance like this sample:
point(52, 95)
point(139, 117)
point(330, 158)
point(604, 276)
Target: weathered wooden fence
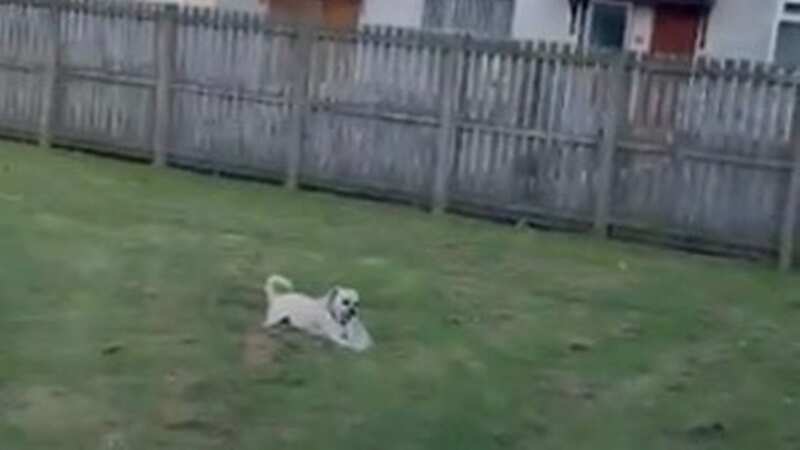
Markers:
point(699, 153)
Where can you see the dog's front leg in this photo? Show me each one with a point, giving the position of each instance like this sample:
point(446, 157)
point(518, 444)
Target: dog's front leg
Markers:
point(337, 334)
point(340, 340)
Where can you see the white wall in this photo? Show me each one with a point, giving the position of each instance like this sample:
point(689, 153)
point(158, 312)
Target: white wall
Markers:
point(242, 5)
point(399, 13)
point(640, 31)
point(533, 19)
point(200, 3)
point(742, 29)
point(542, 20)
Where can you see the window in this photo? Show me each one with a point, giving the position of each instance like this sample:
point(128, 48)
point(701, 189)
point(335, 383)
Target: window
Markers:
point(608, 25)
point(791, 7)
point(487, 17)
point(787, 50)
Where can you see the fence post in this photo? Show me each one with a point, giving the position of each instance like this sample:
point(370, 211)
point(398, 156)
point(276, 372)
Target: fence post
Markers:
point(50, 89)
point(786, 252)
point(614, 117)
point(450, 81)
point(166, 31)
point(300, 101)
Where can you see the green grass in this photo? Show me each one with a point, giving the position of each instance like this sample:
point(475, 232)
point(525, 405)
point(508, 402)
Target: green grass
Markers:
point(474, 324)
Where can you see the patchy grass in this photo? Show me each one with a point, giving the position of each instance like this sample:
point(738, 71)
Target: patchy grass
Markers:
point(130, 300)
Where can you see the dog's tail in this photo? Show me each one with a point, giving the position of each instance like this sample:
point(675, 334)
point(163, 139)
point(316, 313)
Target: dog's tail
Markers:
point(273, 282)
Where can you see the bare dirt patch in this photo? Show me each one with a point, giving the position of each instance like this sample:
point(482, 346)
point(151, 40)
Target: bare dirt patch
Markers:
point(178, 413)
point(173, 411)
point(49, 411)
point(259, 349)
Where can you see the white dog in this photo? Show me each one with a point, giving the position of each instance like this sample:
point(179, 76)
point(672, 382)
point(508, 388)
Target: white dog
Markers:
point(334, 316)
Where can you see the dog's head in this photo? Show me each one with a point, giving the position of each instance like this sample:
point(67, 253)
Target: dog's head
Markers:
point(343, 304)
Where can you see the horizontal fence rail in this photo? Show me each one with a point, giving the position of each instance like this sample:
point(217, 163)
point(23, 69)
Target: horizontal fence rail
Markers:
point(701, 153)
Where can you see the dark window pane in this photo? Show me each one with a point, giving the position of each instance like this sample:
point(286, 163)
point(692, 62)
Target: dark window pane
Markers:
point(792, 8)
point(608, 26)
point(788, 49)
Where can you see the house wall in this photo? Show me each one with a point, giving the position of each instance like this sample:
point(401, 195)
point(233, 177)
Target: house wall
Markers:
point(200, 3)
point(542, 20)
point(641, 28)
point(736, 28)
point(550, 20)
point(533, 19)
point(742, 29)
point(399, 13)
point(243, 5)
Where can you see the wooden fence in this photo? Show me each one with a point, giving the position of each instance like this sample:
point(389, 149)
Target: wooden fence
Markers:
point(699, 153)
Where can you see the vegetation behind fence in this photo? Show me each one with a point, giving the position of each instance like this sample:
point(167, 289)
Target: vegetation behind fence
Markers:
point(702, 153)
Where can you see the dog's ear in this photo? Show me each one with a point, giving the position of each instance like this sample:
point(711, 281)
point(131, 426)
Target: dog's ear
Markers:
point(330, 299)
point(332, 294)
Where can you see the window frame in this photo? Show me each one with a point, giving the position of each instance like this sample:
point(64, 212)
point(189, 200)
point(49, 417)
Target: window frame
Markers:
point(587, 32)
point(776, 46)
point(781, 16)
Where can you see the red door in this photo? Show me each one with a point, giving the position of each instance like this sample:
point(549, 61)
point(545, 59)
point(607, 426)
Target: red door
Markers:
point(676, 30)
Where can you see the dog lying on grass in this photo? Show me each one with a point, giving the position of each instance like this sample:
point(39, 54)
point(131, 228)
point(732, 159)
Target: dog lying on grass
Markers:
point(334, 316)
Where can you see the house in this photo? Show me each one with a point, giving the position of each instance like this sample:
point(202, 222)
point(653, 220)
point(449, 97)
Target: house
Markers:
point(761, 30)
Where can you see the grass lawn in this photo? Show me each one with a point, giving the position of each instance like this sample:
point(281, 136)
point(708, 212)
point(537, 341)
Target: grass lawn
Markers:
point(130, 303)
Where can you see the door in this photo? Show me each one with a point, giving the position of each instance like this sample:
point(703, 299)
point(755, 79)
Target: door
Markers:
point(676, 30)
